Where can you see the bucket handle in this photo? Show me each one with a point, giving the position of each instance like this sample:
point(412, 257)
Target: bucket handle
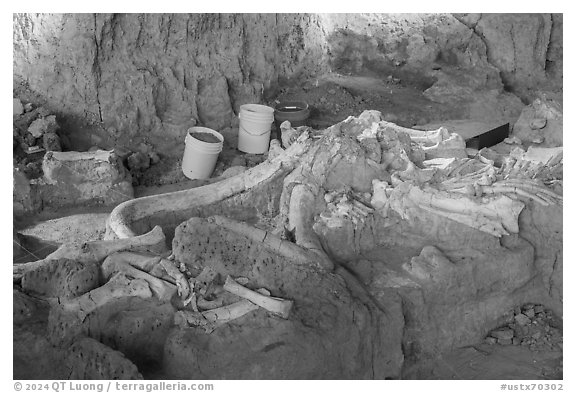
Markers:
point(240, 116)
point(249, 133)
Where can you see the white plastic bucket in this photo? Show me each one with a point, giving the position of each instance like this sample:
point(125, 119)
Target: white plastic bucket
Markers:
point(199, 156)
point(254, 131)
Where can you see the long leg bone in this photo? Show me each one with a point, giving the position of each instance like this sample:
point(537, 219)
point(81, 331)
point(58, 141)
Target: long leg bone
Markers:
point(144, 262)
point(153, 241)
point(285, 248)
point(425, 137)
point(277, 306)
point(119, 286)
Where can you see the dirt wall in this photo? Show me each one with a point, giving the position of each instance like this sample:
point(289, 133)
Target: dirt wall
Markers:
point(152, 76)
point(159, 74)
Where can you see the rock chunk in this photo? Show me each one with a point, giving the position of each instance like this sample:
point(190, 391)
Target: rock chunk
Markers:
point(85, 177)
point(138, 161)
point(529, 313)
point(541, 119)
point(503, 334)
point(64, 278)
point(538, 123)
point(51, 142)
point(17, 108)
point(522, 319)
point(43, 126)
point(90, 359)
point(24, 306)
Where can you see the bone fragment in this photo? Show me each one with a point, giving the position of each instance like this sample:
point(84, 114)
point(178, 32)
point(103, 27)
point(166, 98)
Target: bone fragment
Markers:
point(275, 305)
point(120, 262)
point(222, 315)
point(211, 319)
point(181, 281)
point(204, 280)
point(210, 304)
point(184, 319)
point(191, 300)
point(545, 155)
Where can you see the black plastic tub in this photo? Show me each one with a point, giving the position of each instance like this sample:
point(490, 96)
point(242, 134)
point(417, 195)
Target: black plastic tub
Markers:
point(296, 112)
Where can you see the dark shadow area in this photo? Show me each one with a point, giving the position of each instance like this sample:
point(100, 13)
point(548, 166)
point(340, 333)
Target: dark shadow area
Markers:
point(361, 55)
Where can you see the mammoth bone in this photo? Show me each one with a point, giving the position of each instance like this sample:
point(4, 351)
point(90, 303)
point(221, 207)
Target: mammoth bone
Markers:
point(96, 251)
point(378, 161)
point(251, 301)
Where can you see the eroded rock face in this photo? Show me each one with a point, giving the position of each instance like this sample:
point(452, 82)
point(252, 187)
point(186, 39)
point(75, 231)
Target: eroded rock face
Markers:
point(525, 48)
point(543, 228)
point(517, 44)
point(457, 59)
point(161, 73)
point(554, 58)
